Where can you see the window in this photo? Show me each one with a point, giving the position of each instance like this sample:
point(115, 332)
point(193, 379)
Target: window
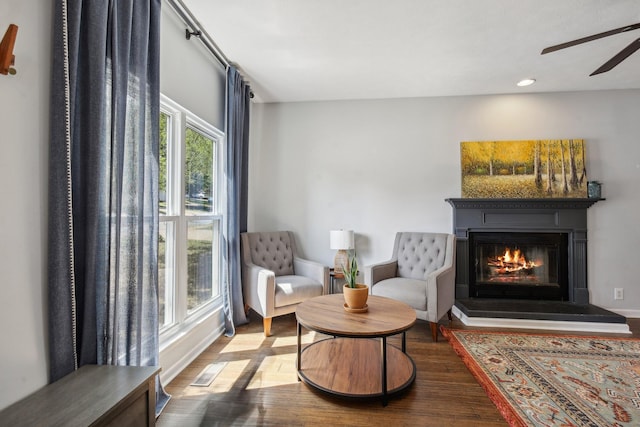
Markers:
point(190, 217)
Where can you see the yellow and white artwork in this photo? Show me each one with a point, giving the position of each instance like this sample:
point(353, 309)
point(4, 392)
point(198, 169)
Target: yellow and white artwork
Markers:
point(553, 168)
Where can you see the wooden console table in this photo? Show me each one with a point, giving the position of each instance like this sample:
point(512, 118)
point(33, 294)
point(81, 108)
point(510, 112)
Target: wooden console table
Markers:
point(94, 395)
point(353, 363)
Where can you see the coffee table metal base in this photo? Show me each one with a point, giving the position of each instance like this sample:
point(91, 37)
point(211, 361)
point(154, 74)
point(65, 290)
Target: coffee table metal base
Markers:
point(356, 367)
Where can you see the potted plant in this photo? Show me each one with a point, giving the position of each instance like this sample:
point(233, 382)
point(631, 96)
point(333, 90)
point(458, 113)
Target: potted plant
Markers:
point(355, 294)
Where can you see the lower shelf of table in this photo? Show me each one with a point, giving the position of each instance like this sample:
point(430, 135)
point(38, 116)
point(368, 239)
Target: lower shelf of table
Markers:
point(352, 367)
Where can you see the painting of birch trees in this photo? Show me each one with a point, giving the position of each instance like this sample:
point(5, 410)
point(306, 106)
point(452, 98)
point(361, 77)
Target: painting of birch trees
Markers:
point(524, 169)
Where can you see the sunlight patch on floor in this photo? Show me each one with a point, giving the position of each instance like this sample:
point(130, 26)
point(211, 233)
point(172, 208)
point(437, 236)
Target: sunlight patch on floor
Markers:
point(275, 371)
point(244, 342)
point(307, 338)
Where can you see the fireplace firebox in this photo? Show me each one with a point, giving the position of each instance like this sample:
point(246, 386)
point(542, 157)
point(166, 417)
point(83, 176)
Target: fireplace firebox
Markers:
point(518, 265)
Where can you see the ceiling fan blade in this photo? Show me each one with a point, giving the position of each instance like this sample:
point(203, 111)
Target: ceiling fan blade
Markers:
point(590, 38)
point(621, 56)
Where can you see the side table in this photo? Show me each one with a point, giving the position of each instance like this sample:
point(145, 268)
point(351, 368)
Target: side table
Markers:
point(333, 277)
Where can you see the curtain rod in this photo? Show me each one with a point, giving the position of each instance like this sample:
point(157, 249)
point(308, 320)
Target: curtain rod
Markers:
point(197, 30)
point(190, 20)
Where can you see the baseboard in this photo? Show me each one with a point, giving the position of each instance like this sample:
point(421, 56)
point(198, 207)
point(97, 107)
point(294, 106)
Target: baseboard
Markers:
point(554, 325)
point(170, 372)
point(184, 349)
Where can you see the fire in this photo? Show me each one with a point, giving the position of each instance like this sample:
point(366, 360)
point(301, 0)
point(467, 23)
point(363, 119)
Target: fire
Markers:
point(512, 262)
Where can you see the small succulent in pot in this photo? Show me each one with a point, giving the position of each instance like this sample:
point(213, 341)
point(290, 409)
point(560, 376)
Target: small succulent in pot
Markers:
point(351, 270)
point(355, 294)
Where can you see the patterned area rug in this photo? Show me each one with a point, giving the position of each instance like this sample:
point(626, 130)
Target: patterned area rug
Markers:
point(551, 380)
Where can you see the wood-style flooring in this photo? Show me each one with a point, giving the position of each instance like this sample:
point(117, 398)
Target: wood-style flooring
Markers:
point(259, 386)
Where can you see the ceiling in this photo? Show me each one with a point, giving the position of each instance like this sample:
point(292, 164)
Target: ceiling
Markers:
point(311, 50)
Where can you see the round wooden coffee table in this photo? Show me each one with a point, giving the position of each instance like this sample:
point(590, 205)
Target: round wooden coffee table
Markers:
point(354, 363)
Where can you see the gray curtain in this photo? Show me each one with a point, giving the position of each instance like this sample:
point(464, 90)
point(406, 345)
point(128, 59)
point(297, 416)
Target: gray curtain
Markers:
point(103, 188)
point(238, 104)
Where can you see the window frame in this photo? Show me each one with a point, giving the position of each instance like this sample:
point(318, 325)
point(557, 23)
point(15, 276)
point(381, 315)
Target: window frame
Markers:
point(181, 319)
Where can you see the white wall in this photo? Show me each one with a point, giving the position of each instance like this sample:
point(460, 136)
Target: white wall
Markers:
point(189, 74)
point(24, 129)
point(387, 165)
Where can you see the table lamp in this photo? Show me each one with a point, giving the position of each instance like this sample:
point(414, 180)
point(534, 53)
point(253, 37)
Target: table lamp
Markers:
point(342, 241)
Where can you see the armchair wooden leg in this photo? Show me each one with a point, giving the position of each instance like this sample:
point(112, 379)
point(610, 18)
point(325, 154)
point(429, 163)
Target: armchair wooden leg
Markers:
point(434, 331)
point(267, 326)
point(246, 309)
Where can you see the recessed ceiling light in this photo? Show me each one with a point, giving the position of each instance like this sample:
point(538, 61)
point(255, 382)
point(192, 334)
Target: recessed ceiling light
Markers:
point(526, 82)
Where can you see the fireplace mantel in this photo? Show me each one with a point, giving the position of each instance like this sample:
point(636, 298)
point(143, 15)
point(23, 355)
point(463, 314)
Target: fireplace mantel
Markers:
point(564, 215)
point(573, 203)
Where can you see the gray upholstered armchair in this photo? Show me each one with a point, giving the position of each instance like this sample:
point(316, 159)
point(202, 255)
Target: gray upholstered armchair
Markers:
point(421, 273)
point(274, 279)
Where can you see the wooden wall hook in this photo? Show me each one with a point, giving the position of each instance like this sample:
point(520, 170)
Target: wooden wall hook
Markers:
point(7, 58)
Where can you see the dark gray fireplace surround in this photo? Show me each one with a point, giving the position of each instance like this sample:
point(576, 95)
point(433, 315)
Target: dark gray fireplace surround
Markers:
point(527, 216)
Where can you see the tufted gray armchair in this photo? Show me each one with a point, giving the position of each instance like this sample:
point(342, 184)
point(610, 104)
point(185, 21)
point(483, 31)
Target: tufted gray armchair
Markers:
point(274, 278)
point(421, 273)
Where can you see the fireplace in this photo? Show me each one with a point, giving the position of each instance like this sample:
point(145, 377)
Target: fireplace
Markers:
point(521, 265)
point(554, 229)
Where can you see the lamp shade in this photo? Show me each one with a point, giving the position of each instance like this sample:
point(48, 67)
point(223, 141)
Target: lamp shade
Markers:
point(341, 239)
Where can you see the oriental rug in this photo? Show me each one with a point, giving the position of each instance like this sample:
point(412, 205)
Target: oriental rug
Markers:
point(552, 380)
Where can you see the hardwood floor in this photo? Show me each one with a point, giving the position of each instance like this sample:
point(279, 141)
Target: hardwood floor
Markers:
point(258, 386)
